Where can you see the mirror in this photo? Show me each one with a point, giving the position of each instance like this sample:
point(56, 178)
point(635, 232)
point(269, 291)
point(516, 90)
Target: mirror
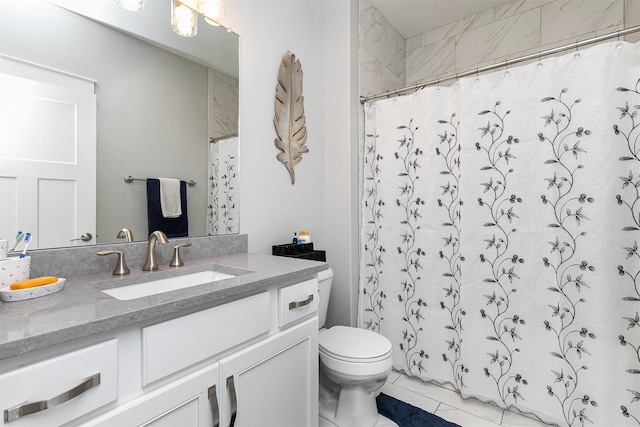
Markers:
point(162, 104)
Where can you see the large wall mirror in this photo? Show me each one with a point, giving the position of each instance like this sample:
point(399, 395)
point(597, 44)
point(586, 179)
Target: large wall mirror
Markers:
point(162, 106)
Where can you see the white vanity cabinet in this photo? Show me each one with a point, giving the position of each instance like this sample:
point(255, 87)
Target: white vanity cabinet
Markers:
point(268, 385)
point(271, 383)
point(244, 363)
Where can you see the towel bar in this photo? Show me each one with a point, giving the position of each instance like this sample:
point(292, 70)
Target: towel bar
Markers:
point(129, 179)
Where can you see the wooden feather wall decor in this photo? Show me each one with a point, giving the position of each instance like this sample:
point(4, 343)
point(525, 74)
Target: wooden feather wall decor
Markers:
point(289, 118)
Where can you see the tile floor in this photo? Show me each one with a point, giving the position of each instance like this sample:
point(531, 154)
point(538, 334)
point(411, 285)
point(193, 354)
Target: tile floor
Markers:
point(448, 404)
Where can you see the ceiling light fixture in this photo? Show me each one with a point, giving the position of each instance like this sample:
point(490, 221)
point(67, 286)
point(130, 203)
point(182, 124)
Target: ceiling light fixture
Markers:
point(134, 5)
point(212, 10)
point(184, 20)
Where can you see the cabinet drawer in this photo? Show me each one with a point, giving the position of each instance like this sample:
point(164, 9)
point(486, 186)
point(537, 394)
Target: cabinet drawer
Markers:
point(297, 301)
point(170, 346)
point(66, 378)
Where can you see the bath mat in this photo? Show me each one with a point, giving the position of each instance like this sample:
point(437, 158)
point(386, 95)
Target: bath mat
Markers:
point(406, 415)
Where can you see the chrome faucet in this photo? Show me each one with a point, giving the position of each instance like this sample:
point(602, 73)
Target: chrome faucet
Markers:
point(125, 233)
point(151, 263)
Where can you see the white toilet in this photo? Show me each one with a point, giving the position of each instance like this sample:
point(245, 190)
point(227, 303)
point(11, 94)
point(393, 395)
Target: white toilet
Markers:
point(354, 365)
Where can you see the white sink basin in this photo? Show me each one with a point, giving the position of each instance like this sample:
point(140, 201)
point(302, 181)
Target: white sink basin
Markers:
point(160, 286)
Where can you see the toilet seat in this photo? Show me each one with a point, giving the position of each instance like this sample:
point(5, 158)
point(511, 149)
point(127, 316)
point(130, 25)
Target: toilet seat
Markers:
point(354, 345)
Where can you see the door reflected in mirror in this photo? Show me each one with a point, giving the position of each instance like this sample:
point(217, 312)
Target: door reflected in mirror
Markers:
point(160, 101)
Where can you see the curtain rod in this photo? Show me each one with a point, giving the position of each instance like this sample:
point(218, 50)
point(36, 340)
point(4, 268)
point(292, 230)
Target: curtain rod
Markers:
point(220, 138)
point(506, 63)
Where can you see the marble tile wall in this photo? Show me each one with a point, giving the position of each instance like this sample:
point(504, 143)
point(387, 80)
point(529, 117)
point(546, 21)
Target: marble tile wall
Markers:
point(381, 52)
point(223, 104)
point(516, 28)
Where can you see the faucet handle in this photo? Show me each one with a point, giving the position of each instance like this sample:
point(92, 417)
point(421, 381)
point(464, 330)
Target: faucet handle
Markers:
point(177, 261)
point(125, 233)
point(121, 265)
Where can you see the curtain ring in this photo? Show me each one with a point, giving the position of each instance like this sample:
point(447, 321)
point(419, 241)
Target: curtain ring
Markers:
point(619, 43)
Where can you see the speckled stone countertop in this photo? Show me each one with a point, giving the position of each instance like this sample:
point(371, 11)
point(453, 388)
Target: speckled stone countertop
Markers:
point(82, 309)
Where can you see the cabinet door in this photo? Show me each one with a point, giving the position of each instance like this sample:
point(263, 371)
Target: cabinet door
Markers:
point(275, 382)
point(191, 401)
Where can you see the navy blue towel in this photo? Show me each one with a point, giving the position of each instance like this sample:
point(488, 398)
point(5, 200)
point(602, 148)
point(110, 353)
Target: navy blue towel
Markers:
point(172, 227)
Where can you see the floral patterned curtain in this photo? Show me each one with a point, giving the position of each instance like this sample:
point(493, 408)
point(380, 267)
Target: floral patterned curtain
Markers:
point(222, 213)
point(500, 229)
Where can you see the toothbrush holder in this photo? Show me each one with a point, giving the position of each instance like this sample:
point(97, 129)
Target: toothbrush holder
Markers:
point(14, 269)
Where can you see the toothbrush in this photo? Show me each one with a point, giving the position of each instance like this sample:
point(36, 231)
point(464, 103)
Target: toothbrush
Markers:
point(27, 240)
point(19, 236)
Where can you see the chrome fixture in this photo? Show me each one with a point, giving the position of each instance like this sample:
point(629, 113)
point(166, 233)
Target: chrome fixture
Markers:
point(129, 179)
point(184, 20)
point(177, 261)
point(85, 237)
point(156, 236)
point(29, 408)
point(121, 266)
point(125, 233)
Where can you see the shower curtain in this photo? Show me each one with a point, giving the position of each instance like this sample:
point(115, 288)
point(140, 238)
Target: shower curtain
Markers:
point(222, 212)
point(500, 229)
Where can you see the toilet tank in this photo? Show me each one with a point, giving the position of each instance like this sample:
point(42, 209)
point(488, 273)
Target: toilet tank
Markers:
point(325, 277)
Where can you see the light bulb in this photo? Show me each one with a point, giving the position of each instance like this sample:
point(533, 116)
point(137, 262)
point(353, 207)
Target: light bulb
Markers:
point(211, 10)
point(134, 5)
point(184, 20)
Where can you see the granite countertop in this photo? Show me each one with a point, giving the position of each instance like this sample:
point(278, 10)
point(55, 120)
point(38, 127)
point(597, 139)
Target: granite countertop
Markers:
point(82, 309)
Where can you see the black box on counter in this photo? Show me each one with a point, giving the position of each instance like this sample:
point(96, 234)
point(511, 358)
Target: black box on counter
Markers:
point(302, 251)
point(291, 249)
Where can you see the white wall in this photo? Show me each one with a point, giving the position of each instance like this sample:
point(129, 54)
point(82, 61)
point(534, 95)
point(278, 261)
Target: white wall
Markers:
point(271, 207)
point(341, 167)
point(322, 200)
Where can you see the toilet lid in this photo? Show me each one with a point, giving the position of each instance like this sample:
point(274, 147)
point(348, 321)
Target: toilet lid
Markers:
point(344, 342)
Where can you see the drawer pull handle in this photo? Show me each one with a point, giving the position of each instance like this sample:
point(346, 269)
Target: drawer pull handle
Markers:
point(234, 401)
point(31, 408)
point(297, 304)
point(213, 403)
